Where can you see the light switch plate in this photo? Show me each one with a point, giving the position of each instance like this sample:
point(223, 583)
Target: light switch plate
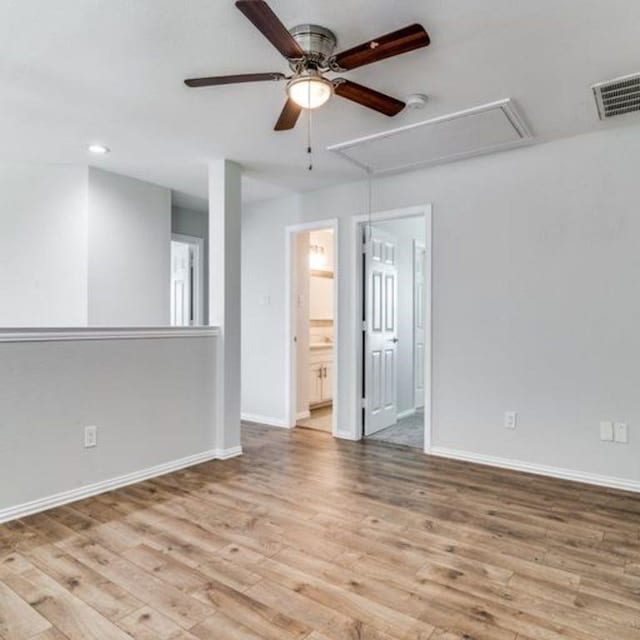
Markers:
point(90, 436)
point(606, 431)
point(620, 432)
point(510, 419)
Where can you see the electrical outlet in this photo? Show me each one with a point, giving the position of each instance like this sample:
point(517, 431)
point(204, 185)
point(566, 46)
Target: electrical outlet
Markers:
point(606, 431)
point(510, 419)
point(90, 437)
point(620, 432)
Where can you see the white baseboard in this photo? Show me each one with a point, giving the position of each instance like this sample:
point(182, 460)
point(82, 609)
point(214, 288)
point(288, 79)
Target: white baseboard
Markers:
point(225, 454)
point(406, 414)
point(303, 415)
point(610, 482)
point(65, 497)
point(271, 422)
point(346, 435)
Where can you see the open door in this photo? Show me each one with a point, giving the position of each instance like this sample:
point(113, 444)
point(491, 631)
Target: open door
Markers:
point(381, 305)
point(181, 285)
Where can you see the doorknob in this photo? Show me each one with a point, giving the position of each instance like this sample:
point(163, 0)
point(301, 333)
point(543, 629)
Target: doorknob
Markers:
point(394, 340)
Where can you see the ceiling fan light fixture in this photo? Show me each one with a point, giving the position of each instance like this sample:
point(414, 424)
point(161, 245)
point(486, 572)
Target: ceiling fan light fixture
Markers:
point(310, 91)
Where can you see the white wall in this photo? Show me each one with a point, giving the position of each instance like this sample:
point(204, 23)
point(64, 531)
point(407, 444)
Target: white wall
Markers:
point(43, 248)
point(152, 400)
point(535, 299)
point(405, 230)
point(320, 288)
point(225, 213)
point(129, 251)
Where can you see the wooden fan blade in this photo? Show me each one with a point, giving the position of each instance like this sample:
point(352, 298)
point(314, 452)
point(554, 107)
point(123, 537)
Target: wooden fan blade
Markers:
point(243, 77)
point(368, 97)
point(391, 44)
point(268, 23)
point(289, 116)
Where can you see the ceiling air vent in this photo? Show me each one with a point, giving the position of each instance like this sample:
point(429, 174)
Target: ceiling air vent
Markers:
point(618, 96)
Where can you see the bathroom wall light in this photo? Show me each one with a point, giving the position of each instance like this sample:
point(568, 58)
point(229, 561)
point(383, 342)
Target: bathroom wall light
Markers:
point(317, 257)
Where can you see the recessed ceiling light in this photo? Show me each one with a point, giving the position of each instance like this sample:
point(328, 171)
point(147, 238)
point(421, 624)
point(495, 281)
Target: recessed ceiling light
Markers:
point(99, 149)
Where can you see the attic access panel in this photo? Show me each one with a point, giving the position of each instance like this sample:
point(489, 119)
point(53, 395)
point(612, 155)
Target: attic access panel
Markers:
point(481, 130)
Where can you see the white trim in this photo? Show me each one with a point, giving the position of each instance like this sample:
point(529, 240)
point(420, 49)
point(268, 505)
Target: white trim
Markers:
point(290, 408)
point(231, 452)
point(120, 333)
point(425, 210)
point(417, 246)
point(538, 469)
point(65, 497)
point(198, 243)
point(303, 415)
point(428, 329)
point(406, 413)
point(347, 435)
point(271, 422)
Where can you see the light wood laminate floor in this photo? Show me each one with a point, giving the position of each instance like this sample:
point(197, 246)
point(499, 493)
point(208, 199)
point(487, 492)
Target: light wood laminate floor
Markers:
point(308, 537)
point(320, 419)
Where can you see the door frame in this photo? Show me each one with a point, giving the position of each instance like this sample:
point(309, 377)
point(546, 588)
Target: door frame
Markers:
point(198, 285)
point(359, 223)
point(290, 307)
point(417, 246)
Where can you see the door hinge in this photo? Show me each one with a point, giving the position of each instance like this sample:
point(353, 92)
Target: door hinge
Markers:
point(364, 325)
point(363, 403)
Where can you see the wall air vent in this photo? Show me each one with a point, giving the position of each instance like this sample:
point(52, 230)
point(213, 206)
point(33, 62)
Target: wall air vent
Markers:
point(454, 136)
point(618, 96)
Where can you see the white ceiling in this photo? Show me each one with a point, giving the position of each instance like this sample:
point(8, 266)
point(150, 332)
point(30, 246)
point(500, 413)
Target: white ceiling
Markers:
point(78, 71)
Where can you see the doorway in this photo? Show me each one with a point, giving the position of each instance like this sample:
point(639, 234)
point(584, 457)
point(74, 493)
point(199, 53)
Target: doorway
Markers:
point(394, 330)
point(187, 282)
point(312, 323)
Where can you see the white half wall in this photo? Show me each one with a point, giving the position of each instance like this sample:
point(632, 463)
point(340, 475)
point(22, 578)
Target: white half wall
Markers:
point(151, 399)
point(43, 247)
point(129, 251)
point(535, 305)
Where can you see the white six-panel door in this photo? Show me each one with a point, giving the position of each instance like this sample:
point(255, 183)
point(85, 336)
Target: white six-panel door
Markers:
point(381, 369)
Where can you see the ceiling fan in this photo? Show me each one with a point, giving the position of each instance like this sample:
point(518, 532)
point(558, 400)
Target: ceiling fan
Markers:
point(309, 50)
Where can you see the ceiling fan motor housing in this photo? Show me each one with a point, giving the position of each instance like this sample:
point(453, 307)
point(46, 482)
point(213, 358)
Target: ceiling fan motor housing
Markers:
point(317, 42)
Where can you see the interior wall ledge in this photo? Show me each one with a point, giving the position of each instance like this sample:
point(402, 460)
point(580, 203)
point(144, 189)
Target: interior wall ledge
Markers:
point(107, 333)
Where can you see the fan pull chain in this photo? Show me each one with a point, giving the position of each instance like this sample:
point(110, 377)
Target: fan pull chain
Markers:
point(369, 202)
point(309, 147)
